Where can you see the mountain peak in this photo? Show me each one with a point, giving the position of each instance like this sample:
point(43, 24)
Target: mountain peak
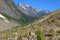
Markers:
point(23, 5)
point(31, 11)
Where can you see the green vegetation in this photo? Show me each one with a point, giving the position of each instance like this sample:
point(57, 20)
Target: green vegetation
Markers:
point(51, 31)
point(58, 31)
point(23, 20)
point(59, 39)
point(26, 34)
point(39, 35)
point(8, 17)
point(58, 24)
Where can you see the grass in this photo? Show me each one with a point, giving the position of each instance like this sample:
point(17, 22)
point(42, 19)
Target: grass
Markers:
point(58, 31)
point(39, 35)
point(58, 24)
point(23, 20)
point(51, 31)
point(8, 17)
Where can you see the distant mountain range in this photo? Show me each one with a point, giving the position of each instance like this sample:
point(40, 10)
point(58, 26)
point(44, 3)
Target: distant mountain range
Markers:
point(20, 14)
point(24, 21)
point(31, 11)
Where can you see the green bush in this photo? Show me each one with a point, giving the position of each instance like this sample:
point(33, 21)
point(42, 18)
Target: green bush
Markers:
point(39, 35)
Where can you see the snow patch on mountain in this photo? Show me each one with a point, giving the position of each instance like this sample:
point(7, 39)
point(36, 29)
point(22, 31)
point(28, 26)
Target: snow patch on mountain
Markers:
point(5, 19)
point(31, 11)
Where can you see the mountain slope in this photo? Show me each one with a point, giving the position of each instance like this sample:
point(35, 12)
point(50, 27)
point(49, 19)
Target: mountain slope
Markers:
point(6, 24)
point(10, 10)
point(49, 25)
point(8, 7)
point(11, 16)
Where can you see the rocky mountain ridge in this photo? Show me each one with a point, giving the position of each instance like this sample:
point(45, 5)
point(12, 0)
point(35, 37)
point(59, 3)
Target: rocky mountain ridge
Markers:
point(31, 11)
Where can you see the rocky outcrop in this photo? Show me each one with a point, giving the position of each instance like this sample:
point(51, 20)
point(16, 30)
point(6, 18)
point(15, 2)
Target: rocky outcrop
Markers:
point(8, 8)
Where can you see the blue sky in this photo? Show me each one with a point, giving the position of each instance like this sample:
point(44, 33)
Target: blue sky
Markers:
point(42, 4)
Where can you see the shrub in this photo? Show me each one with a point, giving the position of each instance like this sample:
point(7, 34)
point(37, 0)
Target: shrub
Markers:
point(39, 35)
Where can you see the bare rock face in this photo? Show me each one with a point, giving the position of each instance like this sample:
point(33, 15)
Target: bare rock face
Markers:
point(9, 8)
